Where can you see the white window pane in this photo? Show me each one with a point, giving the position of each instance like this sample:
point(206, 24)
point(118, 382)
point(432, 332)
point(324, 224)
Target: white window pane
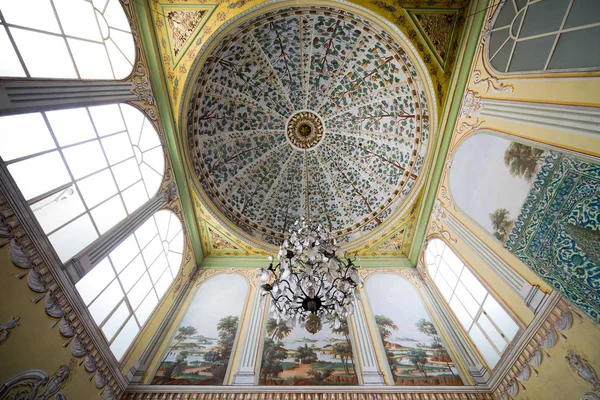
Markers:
point(500, 318)
point(10, 65)
point(439, 246)
point(453, 261)
point(134, 120)
point(163, 218)
point(134, 197)
point(58, 209)
point(106, 302)
point(149, 138)
point(461, 313)
point(124, 41)
point(126, 173)
point(466, 299)
point(23, 134)
point(85, 159)
point(432, 270)
point(443, 287)
point(91, 59)
point(122, 342)
point(146, 308)
point(139, 291)
point(132, 273)
point(72, 238)
point(95, 281)
point(99, 4)
point(120, 65)
point(155, 159)
point(163, 283)
point(108, 214)
point(97, 188)
point(473, 285)
point(40, 174)
point(77, 19)
point(177, 243)
point(152, 179)
point(485, 348)
point(146, 232)
point(174, 262)
point(104, 30)
point(158, 267)
point(124, 253)
point(71, 126)
point(115, 321)
point(491, 332)
point(448, 274)
point(115, 16)
point(107, 119)
point(152, 250)
point(45, 56)
point(37, 14)
point(117, 148)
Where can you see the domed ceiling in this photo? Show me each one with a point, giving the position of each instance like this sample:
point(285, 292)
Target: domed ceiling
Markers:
point(308, 108)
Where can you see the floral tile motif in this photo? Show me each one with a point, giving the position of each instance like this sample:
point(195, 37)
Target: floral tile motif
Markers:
point(341, 67)
point(565, 194)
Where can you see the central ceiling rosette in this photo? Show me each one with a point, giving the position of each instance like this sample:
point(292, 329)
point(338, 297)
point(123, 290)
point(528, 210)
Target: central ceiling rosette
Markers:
point(308, 108)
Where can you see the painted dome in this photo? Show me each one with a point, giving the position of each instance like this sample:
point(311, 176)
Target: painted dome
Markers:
point(307, 108)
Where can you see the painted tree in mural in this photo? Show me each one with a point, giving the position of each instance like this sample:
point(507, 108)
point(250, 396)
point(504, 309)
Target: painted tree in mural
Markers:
point(523, 161)
point(227, 328)
point(428, 328)
point(274, 352)
point(442, 355)
point(306, 354)
point(345, 331)
point(501, 223)
point(183, 333)
point(343, 351)
point(418, 358)
point(385, 327)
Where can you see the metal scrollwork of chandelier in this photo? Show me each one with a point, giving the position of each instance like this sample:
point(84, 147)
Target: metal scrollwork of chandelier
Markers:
point(311, 282)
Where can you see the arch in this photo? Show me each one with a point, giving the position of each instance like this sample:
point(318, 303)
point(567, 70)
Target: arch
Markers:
point(124, 288)
point(82, 170)
point(212, 317)
point(544, 37)
point(65, 39)
point(408, 332)
point(485, 320)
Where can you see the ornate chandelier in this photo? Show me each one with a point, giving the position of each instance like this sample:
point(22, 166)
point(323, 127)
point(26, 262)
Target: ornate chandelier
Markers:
point(311, 281)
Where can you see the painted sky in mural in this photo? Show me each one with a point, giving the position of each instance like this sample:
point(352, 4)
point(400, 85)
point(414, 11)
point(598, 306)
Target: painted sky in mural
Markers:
point(200, 350)
point(413, 346)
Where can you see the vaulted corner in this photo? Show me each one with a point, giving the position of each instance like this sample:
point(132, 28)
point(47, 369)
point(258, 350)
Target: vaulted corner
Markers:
point(326, 199)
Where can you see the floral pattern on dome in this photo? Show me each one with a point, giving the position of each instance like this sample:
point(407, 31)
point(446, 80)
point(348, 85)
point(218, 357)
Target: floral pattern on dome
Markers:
point(332, 63)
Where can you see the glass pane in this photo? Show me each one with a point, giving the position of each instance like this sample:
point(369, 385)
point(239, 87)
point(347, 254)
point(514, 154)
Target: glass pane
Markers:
point(485, 348)
point(163, 283)
point(108, 214)
point(174, 262)
point(162, 222)
point(500, 317)
point(117, 148)
point(155, 159)
point(10, 65)
point(177, 243)
point(37, 14)
point(45, 56)
point(97, 188)
point(115, 16)
point(120, 65)
point(124, 253)
point(115, 321)
point(23, 134)
point(152, 179)
point(146, 308)
point(453, 261)
point(85, 159)
point(146, 232)
point(132, 273)
point(72, 238)
point(135, 196)
point(58, 209)
point(105, 303)
point(107, 119)
point(466, 299)
point(158, 267)
point(95, 281)
point(71, 126)
point(38, 175)
point(491, 332)
point(123, 41)
point(461, 313)
point(139, 291)
point(152, 251)
point(134, 120)
point(124, 339)
point(91, 59)
point(126, 173)
point(443, 287)
point(448, 274)
point(149, 138)
point(78, 19)
point(473, 285)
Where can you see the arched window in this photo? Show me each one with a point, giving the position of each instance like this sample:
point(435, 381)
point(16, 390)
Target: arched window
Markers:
point(550, 35)
point(123, 289)
point(70, 39)
point(82, 170)
point(486, 322)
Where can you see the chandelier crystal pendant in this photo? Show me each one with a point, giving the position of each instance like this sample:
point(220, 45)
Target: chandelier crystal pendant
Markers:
point(311, 283)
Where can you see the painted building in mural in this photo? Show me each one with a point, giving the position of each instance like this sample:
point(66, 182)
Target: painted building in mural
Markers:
point(154, 153)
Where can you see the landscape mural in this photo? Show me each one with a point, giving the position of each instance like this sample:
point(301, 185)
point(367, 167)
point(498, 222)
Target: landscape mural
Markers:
point(542, 205)
point(292, 356)
point(200, 350)
point(413, 346)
